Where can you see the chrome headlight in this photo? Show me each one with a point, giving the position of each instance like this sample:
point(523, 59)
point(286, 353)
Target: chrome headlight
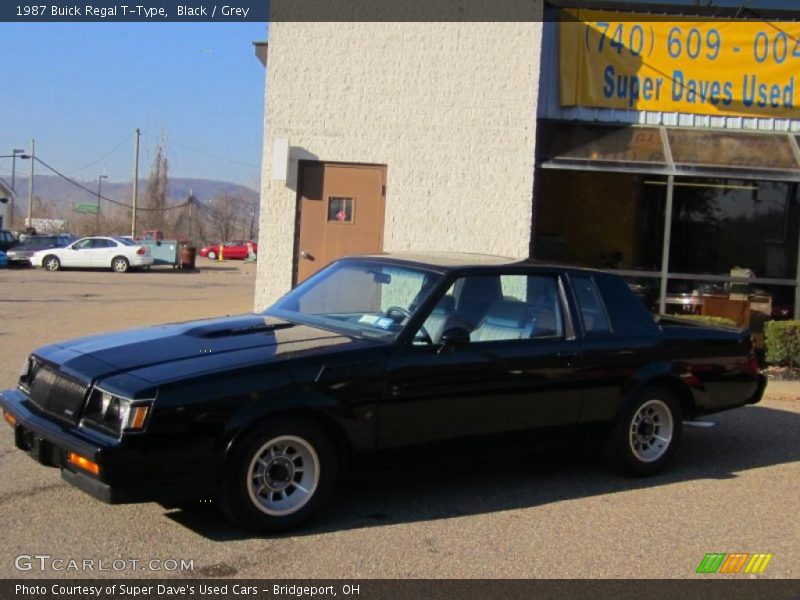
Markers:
point(116, 412)
point(24, 376)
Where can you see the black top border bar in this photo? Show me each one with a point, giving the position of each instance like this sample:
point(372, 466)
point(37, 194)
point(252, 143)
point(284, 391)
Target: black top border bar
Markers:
point(354, 10)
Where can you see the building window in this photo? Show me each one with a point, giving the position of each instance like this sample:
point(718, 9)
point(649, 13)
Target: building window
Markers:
point(603, 220)
point(724, 224)
point(721, 231)
point(340, 210)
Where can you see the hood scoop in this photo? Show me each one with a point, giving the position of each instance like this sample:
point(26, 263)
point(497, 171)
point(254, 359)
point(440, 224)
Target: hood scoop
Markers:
point(225, 330)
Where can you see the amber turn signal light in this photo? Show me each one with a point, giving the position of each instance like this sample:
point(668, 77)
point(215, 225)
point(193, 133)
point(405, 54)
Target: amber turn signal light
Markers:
point(84, 463)
point(10, 419)
point(138, 417)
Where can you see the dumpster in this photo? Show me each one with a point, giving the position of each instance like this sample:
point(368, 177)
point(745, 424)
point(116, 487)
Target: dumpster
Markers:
point(164, 252)
point(188, 255)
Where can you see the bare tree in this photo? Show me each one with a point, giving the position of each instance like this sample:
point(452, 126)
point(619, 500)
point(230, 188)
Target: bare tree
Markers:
point(155, 196)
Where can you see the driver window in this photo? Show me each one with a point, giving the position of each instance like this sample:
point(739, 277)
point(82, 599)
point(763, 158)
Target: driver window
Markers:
point(499, 307)
point(83, 244)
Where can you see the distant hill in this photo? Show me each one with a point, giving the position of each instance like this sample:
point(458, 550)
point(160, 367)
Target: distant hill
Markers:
point(63, 194)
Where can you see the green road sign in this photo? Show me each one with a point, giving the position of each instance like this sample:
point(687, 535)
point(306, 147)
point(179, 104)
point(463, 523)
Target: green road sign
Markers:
point(84, 208)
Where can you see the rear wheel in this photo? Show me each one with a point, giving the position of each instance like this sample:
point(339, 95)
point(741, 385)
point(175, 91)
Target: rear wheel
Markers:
point(212, 255)
point(51, 263)
point(646, 433)
point(279, 477)
point(120, 264)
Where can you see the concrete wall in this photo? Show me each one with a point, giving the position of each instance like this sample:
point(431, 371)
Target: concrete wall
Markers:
point(5, 207)
point(449, 108)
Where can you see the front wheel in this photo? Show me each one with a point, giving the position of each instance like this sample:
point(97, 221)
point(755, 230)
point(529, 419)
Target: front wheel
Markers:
point(120, 265)
point(212, 255)
point(51, 263)
point(646, 433)
point(279, 476)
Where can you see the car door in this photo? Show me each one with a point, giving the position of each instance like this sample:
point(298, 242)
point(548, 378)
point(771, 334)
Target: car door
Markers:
point(511, 375)
point(93, 254)
point(107, 249)
point(238, 250)
point(75, 255)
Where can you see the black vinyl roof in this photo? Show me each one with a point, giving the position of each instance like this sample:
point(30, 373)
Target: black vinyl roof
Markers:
point(457, 261)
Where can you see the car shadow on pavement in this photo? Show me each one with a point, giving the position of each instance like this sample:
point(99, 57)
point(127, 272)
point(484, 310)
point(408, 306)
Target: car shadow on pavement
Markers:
point(743, 439)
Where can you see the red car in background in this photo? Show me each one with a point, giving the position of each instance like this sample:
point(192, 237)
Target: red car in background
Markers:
point(233, 249)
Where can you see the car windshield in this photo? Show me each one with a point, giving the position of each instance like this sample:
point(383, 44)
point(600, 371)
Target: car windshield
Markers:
point(360, 297)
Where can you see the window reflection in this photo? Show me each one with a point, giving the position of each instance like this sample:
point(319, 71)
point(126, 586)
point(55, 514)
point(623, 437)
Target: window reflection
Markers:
point(731, 149)
point(722, 224)
point(604, 220)
point(604, 143)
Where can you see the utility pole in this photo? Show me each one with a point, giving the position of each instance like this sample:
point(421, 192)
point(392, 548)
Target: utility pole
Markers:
point(99, 188)
point(21, 153)
point(30, 183)
point(191, 223)
point(135, 183)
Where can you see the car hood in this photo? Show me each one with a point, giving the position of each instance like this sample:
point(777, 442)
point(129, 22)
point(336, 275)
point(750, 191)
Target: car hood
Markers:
point(32, 248)
point(176, 351)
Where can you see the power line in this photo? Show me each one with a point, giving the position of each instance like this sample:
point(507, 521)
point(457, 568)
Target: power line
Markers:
point(117, 147)
point(107, 199)
point(225, 158)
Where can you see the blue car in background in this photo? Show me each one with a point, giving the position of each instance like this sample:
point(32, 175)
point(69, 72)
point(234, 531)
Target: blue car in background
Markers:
point(3, 259)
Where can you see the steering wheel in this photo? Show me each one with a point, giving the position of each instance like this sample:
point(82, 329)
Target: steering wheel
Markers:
point(422, 334)
point(393, 311)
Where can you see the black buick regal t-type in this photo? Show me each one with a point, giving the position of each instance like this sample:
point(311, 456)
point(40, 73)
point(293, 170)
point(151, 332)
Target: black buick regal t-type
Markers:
point(402, 356)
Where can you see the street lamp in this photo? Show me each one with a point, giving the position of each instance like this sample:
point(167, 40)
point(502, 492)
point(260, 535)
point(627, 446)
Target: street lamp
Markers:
point(99, 188)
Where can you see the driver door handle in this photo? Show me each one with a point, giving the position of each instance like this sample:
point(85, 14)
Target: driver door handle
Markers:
point(307, 255)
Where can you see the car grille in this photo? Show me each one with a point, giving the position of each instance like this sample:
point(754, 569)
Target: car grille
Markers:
point(55, 393)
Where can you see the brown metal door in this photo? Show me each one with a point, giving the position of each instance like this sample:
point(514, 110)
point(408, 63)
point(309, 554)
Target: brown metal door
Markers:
point(341, 212)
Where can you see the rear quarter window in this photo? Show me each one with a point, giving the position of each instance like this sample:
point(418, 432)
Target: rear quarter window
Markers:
point(629, 316)
point(593, 312)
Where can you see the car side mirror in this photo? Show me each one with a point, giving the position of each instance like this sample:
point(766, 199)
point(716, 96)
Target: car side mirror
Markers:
point(455, 336)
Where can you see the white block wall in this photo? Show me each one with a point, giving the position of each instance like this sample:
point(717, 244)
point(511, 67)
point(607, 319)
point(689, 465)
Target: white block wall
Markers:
point(449, 108)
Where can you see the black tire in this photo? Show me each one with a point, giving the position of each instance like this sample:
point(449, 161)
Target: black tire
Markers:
point(240, 502)
point(635, 445)
point(51, 263)
point(120, 264)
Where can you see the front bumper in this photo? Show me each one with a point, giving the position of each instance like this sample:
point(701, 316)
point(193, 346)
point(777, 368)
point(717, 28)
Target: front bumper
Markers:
point(19, 258)
point(120, 478)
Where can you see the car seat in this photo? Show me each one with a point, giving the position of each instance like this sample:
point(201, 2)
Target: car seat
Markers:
point(505, 320)
point(437, 320)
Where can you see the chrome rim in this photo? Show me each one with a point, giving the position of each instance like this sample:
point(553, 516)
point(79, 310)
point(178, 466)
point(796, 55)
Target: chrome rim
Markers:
point(651, 431)
point(283, 475)
point(120, 265)
point(212, 255)
point(51, 264)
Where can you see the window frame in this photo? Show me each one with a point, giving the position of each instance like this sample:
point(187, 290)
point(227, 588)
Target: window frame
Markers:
point(352, 202)
point(601, 302)
point(567, 303)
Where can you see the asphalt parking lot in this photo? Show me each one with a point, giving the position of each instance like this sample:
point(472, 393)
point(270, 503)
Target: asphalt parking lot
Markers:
point(732, 488)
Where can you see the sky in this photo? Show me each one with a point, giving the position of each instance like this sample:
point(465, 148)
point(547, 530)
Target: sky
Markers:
point(81, 89)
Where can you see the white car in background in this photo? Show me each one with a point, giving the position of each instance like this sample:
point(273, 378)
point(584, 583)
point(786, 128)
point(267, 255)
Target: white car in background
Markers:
point(115, 253)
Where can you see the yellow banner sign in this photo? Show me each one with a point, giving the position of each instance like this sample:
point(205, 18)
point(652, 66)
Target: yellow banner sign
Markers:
point(712, 67)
